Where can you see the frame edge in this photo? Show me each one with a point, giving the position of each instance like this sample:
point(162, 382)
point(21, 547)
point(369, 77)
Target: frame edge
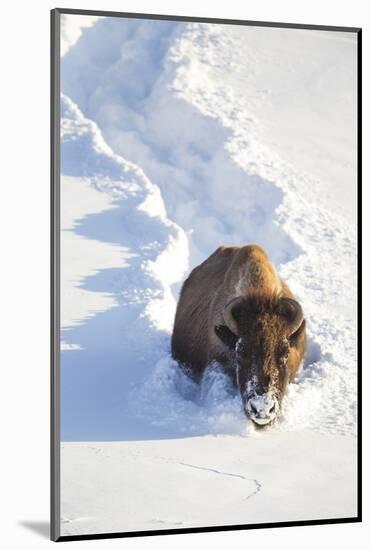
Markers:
point(195, 19)
point(54, 280)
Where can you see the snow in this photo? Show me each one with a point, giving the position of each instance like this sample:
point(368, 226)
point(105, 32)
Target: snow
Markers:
point(72, 27)
point(177, 138)
point(223, 480)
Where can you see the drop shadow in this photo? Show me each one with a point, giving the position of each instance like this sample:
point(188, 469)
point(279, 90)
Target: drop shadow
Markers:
point(41, 528)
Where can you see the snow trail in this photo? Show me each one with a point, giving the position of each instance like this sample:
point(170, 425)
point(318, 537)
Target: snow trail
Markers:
point(161, 96)
point(180, 149)
point(218, 472)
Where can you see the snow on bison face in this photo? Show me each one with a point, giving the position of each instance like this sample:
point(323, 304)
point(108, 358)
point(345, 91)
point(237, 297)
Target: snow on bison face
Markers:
point(262, 374)
point(262, 333)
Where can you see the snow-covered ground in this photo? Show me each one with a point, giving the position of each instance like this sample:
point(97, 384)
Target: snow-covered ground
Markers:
point(177, 138)
point(223, 480)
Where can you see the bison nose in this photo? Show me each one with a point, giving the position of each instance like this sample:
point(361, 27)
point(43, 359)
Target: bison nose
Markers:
point(262, 409)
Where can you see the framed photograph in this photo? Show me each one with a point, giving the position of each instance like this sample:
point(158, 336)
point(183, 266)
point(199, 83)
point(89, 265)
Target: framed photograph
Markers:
point(205, 274)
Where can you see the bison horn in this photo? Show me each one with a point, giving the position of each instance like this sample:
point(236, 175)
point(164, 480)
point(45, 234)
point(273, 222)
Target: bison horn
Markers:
point(291, 310)
point(229, 319)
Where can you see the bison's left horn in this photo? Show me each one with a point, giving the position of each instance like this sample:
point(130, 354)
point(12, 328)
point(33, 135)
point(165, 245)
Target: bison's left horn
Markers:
point(229, 319)
point(291, 310)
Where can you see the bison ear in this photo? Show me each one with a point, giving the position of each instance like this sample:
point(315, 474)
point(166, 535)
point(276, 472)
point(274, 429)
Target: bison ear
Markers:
point(226, 336)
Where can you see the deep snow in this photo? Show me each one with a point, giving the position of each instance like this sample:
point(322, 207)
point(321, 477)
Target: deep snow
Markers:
point(177, 138)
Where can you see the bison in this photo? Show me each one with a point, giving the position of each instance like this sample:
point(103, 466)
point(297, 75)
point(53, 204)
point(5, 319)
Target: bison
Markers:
point(234, 309)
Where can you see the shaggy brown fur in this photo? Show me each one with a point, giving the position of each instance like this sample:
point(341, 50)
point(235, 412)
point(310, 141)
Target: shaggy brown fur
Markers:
point(236, 310)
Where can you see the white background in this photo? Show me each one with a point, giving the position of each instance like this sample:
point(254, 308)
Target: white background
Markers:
point(24, 218)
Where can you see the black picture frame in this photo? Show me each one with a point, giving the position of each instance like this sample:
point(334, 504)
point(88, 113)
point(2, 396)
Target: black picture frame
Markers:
point(55, 275)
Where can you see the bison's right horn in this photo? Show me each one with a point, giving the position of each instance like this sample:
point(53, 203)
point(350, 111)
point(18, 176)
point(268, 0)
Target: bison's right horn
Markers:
point(230, 321)
point(291, 310)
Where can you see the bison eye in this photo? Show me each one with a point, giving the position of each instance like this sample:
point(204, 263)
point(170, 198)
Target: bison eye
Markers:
point(284, 351)
point(285, 347)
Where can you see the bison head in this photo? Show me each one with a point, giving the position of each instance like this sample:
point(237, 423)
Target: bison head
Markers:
point(262, 334)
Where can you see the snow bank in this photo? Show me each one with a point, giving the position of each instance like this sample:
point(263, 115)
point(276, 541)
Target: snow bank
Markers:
point(116, 238)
